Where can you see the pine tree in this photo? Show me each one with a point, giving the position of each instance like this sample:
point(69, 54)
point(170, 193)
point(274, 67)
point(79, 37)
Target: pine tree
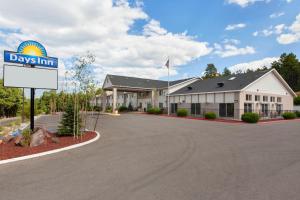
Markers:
point(66, 127)
point(226, 72)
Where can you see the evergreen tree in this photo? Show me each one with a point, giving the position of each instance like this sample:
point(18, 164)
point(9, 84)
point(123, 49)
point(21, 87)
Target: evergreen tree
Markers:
point(210, 71)
point(288, 67)
point(226, 72)
point(67, 123)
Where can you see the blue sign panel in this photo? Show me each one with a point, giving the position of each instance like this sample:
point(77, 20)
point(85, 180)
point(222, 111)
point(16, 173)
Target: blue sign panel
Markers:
point(14, 57)
point(31, 53)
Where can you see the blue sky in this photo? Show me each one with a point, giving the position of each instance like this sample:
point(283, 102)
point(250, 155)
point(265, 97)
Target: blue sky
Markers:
point(208, 20)
point(135, 37)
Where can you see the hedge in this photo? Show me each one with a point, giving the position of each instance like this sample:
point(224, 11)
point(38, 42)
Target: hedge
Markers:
point(154, 111)
point(289, 115)
point(122, 109)
point(297, 114)
point(250, 117)
point(210, 115)
point(182, 112)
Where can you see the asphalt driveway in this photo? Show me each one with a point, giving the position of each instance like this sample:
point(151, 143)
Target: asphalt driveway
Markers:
point(142, 157)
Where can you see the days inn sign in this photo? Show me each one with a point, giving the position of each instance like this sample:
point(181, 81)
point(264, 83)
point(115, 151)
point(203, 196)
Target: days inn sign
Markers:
point(31, 53)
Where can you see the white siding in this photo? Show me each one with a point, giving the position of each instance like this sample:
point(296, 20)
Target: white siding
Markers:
point(229, 97)
point(268, 84)
point(202, 98)
point(107, 83)
point(188, 99)
point(219, 97)
point(195, 98)
point(210, 98)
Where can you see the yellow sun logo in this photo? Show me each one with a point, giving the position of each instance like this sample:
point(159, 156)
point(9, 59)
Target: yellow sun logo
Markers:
point(32, 48)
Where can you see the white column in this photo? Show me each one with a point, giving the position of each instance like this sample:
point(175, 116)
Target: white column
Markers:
point(115, 98)
point(104, 101)
point(153, 98)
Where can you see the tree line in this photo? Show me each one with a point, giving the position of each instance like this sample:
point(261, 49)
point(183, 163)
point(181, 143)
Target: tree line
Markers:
point(288, 66)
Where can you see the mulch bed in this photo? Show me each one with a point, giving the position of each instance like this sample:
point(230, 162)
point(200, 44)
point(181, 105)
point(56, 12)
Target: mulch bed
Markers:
point(10, 150)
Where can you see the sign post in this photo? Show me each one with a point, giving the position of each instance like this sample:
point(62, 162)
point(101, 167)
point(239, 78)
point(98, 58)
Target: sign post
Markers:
point(32, 107)
point(45, 76)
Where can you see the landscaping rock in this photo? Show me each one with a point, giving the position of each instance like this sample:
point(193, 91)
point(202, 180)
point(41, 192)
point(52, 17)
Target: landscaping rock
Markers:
point(55, 139)
point(37, 138)
point(8, 138)
point(18, 140)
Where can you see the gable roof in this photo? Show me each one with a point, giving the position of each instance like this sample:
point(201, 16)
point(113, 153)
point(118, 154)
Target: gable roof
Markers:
point(234, 82)
point(133, 82)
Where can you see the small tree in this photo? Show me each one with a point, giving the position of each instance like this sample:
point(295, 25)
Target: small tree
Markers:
point(70, 124)
point(226, 72)
point(210, 71)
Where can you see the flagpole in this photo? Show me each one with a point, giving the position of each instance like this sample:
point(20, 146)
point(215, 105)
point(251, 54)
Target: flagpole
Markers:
point(168, 87)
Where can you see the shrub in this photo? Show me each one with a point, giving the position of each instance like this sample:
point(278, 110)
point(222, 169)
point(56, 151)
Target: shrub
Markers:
point(182, 112)
point(297, 113)
point(250, 117)
point(66, 127)
point(155, 111)
point(289, 115)
point(210, 115)
point(26, 133)
point(108, 109)
point(297, 100)
point(122, 109)
point(1, 128)
point(130, 108)
point(11, 124)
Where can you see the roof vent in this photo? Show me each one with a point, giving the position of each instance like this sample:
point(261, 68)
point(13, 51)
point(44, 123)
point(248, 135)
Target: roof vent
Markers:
point(232, 78)
point(220, 84)
point(189, 88)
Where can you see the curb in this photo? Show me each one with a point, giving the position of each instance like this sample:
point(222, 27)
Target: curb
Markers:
point(51, 151)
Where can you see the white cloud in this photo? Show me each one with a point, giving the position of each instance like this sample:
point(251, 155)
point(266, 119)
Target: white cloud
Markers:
point(293, 34)
point(276, 15)
point(253, 65)
point(255, 33)
point(230, 49)
point(245, 3)
point(272, 30)
point(232, 27)
point(231, 41)
point(72, 27)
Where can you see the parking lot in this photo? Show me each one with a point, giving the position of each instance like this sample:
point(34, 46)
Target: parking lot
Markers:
point(152, 157)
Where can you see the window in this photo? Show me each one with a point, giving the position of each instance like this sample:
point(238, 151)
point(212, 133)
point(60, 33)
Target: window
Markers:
point(248, 97)
point(265, 109)
point(173, 108)
point(226, 110)
point(195, 108)
point(161, 105)
point(161, 92)
point(265, 98)
point(279, 109)
point(248, 107)
point(272, 99)
point(257, 98)
point(279, 99)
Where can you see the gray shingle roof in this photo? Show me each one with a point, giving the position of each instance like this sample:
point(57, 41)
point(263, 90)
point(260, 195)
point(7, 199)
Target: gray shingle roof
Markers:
point(125, 81)
point(211, 85)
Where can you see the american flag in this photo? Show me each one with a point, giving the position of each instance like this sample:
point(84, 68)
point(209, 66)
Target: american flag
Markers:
point(167, 63)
